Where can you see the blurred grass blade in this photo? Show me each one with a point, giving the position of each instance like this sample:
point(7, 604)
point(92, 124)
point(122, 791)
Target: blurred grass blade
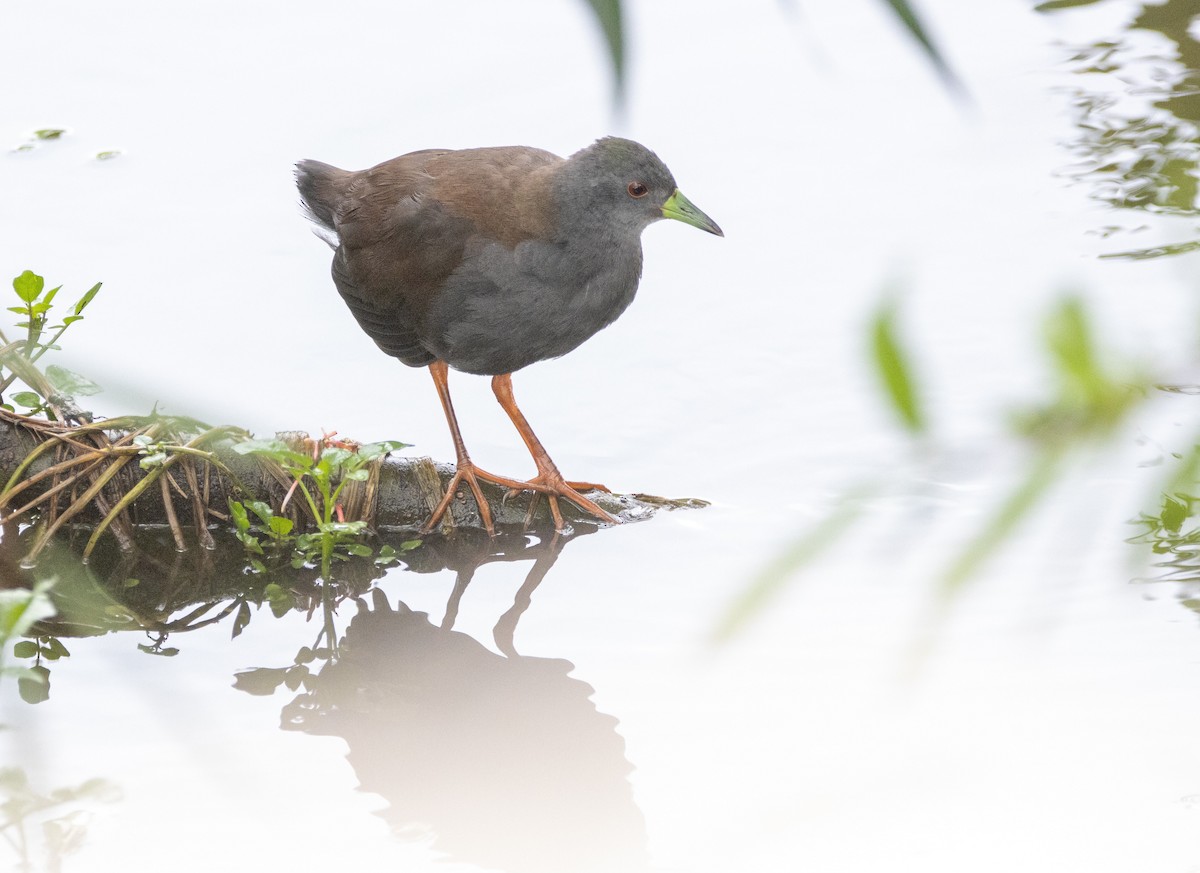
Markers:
point(1051, 5)
point(767, 584)
point(912, 23)
point(608, 16)
point(892, 363)
point(1042, 473)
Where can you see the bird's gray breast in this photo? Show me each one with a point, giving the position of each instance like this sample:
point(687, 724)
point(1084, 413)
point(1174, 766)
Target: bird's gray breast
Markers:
point(504, 309)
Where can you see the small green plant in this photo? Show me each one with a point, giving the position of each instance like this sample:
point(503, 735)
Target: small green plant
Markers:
point(319, 478)
point(19, 357)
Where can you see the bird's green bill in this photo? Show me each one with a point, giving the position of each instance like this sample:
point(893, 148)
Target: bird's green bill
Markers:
point(682, 209)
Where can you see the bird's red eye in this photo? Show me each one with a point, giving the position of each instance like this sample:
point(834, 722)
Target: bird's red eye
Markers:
point(637, 189)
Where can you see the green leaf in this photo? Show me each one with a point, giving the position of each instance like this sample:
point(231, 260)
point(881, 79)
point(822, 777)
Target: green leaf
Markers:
point(250, 541)
point(262, 509)
point(892, 365)
point(33, 684)
point(343, 528)
point(277, 450)
point(28, 285)
point(25, 649)
point(168, 652)
point(371, 451)
point(49, 133)
point(54, 645)
point(27, 398)
point(71, 384)
point(83, 301)
point(131, 583)
point(280, 526)
point(241, 619)
point(335, 456)
point(357, 476)
point(305, 655)
point(409, 545)
point(240, 519)
point(362, 550)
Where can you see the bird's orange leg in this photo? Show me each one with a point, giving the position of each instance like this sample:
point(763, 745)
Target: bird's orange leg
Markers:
point(465, 469)
point(548, 480)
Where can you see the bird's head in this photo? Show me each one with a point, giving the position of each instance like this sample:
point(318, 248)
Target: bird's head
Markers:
point(624, 186)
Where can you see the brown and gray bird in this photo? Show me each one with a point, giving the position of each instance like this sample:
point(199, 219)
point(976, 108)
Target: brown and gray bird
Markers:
point(488, 260)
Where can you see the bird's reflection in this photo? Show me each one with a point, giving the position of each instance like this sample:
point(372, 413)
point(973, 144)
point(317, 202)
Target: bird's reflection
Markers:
point(504, 759)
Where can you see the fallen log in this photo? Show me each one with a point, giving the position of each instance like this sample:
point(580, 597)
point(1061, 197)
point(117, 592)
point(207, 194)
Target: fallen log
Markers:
point(117, 474)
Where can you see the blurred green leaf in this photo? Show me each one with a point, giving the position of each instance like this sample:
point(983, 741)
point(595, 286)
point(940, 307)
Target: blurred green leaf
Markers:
point(804, 550)
point(71, 384)
point(20, 609)
point(49, 133)
point(912, 23)
point(609, 17)
point(55, 648)
point(891, 362)
point(25, 649)
point(27, 398)
point(1052, 5)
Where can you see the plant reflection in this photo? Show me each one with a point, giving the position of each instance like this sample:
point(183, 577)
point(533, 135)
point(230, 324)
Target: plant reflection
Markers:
point(1136, 143)
point(499, 759)
point(42, 829)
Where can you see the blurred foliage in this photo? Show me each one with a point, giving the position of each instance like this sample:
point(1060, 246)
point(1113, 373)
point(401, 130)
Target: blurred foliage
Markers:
point(1093, 396)
point(610, 17)
point(46, 827)
point(1136, 113)
point(20, 610)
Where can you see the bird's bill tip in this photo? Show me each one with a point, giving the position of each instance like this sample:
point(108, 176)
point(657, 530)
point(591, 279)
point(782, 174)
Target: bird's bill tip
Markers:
point(680, 208)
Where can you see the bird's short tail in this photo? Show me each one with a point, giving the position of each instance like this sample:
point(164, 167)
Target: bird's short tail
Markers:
point(321, 187)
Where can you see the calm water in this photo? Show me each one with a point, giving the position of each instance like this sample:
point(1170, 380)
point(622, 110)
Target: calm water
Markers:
point(556, 706)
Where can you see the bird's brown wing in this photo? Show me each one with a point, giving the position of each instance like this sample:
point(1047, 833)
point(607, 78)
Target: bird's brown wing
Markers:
point(407, 224)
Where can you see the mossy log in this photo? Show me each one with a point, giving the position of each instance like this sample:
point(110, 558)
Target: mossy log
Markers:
point(92, 474)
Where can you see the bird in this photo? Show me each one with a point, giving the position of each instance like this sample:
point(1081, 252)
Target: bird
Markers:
point(487, 260)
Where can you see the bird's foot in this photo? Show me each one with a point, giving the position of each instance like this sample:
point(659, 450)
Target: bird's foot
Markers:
point(553, 485)
point(467, 472)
